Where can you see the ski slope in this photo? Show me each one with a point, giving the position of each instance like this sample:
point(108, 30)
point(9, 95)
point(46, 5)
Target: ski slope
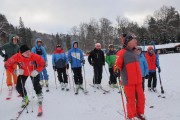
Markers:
point(63, 105)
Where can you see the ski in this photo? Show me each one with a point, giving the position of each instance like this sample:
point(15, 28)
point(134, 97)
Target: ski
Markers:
point(84, 91)
point(101, 89)
point(40, 112)
point(20, 112)
point(161, 96)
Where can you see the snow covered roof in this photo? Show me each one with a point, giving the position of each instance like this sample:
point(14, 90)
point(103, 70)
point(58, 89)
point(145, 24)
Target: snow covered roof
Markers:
point(169, 45)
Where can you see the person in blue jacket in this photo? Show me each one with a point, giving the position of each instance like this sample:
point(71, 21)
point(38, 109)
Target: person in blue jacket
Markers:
point(143, 65)
point(76, 58)
point(60, 64)
point(40, 50)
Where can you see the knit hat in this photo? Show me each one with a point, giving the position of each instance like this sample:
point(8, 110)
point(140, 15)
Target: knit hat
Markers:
point(24, 48)
point(127, 39)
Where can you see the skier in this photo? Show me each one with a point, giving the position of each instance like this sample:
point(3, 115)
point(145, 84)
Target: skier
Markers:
point(153, 62)
point(97, 60)
point(128, 63)
point(40, 50)
point(144, 66)
point(29, 64)
point(110, 59)
point(10, 49)
point(76, 59)
point(60, 63)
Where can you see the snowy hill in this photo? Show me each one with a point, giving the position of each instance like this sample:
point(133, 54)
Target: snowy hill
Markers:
point(63, 105)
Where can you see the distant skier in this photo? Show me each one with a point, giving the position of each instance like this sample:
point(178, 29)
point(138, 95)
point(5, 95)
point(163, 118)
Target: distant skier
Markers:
point(110, 59)
point(97, 60)
point(144, 66)
point(60, 64)
point(40, 50)
point(128, 63)
point(29, 64)
point(76, 59)
point(153, 62)
point(10, 49)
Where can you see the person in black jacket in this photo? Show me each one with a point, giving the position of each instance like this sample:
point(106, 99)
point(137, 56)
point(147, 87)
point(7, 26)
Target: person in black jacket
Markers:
point(97, 60)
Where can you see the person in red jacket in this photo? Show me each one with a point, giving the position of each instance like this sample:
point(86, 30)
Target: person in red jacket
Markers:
point(30, 64)
point(128, 63)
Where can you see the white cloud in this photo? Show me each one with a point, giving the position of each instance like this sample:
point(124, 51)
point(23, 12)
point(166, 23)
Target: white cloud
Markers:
point(54, 16)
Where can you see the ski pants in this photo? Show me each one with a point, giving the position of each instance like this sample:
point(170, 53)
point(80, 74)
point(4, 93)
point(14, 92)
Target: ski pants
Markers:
point(20, 87)
point(143, 80)
point(152, 81)
point(44, 75)
point(10, 76)
point(62, 72)
point(112, 77)
point(135, 100)
point(78, 79)
point(97, 74)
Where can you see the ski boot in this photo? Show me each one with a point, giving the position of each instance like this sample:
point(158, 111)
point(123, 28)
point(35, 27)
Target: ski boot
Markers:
point(62, 86)
point(10, 88)
point(40, 98)
point(41, 82)
point(141, 117)
point(25, 101)
point(66, 86)
point(154, 90)
point(47, 85)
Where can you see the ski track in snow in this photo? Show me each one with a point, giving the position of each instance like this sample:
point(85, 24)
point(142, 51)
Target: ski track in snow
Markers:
point(65, 105)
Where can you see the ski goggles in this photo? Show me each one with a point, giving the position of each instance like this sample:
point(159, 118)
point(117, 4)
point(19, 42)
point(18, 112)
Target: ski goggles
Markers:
point(58, 45)
point(39, 40)
point(16, 37)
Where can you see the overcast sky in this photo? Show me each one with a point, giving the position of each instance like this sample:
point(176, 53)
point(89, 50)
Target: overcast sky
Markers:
point(52, 16)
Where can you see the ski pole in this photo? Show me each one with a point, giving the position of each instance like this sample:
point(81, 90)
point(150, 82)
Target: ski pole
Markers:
point(55, 79)
point(106, 71)
point(72, 79)
point(23, 89)
point(122, 98)
point(2, 82)
point(68, 77)
point(162, 90)
point(84, 77)
point(32, 105)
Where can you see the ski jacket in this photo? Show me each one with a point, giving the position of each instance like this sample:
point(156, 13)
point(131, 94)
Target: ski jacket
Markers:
point(153, 61)
point(128, 63)
point(40, 50)
point(111, 58)
point(34, 62)
point(75, 56)
point(96, 58)
point(9, 48)
point(144, 65)
point(59, 59)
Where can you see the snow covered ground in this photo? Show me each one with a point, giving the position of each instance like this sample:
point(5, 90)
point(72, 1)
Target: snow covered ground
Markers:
point(63, 105)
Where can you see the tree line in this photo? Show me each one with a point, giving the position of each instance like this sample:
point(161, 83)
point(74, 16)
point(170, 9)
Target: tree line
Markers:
point(163, 27)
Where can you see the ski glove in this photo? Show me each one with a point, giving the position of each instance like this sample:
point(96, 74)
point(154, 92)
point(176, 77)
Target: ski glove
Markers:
point(54, 68)
point(19, 71)
point(67, 66)
point(46, 63)
point(159, 69)
point(83, 61)
point(5, 57)
point(147, 77)
point(34, 73)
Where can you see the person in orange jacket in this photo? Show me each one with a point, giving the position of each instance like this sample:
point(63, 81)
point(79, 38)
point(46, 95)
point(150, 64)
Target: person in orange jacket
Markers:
point(153, 62)
point(128, 63)
point(30, 64)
